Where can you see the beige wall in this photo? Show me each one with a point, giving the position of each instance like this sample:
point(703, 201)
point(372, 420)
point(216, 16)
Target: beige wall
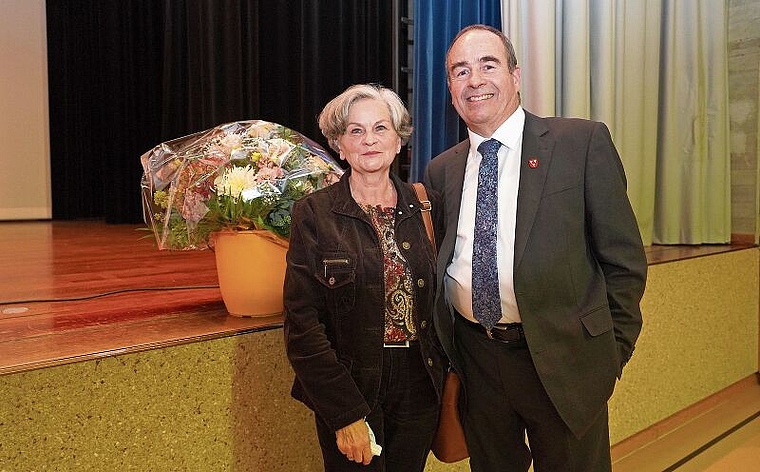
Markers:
point(743, 78)
point(700, 335)
point(24, 139)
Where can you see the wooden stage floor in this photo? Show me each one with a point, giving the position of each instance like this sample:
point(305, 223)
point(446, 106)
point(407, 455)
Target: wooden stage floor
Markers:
point(75, 290)
point(72, 291)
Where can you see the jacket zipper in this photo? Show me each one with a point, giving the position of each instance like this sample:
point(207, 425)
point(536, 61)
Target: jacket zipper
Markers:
point(326, 262)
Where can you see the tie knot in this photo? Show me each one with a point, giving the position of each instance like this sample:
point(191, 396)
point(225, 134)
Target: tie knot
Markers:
point(489, 148)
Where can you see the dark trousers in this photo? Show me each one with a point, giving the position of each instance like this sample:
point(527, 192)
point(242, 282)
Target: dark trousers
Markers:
point(505, 401)
point(404, 419)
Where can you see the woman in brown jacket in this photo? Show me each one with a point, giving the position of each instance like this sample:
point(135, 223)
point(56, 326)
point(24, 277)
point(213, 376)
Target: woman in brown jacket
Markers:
point(359, 292)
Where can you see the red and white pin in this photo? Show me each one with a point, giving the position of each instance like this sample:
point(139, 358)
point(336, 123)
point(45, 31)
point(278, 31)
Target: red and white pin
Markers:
point(533, 163)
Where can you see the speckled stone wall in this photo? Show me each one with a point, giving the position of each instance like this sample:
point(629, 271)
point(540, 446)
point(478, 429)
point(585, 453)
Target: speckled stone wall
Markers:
point(700, 336)
point(221, 405)
point(433, 465)
point(224, 405)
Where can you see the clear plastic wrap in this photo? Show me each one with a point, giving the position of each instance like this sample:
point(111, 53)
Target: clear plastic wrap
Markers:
point(240, 176)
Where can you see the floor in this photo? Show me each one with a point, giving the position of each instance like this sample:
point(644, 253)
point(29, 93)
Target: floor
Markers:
point(77, 290)
point(723, 436)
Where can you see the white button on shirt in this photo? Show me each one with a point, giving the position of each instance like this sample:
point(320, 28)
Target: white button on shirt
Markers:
point(458, 279)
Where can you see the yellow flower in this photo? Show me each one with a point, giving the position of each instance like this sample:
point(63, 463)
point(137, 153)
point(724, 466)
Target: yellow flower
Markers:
point(161, 198)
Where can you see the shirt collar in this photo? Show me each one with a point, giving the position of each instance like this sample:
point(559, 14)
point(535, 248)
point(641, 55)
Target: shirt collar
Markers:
point(508, 134)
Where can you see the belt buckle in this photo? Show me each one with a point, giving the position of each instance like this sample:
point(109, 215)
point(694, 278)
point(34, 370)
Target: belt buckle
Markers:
point(400, 344)
point(489, 333)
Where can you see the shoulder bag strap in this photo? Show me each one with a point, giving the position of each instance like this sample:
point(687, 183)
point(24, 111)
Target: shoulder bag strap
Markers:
point(425, 206)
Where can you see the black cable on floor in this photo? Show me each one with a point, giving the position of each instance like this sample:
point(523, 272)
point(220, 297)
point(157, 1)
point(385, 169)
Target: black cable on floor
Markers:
point(106, 294)
point(711, 443)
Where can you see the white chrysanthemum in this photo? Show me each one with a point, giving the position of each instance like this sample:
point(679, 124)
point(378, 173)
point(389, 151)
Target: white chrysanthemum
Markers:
point(235, 180)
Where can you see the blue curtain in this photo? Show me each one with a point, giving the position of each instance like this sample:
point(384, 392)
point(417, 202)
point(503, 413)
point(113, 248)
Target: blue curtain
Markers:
point(436, 123)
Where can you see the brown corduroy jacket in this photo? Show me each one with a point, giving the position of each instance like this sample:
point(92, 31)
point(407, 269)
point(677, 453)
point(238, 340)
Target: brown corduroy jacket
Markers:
point(334, 293)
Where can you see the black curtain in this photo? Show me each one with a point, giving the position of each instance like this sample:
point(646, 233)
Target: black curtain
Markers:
point(126, 75)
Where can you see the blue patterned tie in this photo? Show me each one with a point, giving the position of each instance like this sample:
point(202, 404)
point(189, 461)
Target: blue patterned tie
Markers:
point(486, 303)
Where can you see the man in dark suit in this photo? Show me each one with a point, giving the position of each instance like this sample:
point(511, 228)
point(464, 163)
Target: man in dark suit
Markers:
point(540, 272)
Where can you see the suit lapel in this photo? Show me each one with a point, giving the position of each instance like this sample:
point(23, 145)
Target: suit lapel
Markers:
point(534, 166)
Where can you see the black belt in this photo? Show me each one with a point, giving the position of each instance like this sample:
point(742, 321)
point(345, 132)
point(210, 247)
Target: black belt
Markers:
point(502, 332)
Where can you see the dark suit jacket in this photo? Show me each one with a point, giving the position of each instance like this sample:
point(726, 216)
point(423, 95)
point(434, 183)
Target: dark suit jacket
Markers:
point(579, 263)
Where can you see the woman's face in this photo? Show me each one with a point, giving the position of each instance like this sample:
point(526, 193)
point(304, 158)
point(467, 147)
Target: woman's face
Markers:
point(370, 143)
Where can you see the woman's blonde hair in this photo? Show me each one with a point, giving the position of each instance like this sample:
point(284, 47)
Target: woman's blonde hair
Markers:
point(334, 116)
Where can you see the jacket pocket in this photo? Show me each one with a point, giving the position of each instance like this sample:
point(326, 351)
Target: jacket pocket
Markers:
point(338, 276)
point(597, 321)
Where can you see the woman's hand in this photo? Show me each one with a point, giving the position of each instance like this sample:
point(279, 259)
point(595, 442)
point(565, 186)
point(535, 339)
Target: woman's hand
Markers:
point(353, 442)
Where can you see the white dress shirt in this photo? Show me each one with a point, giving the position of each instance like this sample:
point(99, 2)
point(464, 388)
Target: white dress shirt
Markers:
point(458, 279)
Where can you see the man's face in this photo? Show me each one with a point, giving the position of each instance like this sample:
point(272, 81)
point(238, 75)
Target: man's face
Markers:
point(483, 90)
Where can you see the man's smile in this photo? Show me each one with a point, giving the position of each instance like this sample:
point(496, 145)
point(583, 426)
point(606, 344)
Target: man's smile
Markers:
point(479, 98)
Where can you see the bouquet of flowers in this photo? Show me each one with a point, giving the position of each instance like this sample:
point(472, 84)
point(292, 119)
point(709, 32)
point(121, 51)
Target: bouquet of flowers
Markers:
point(239, 176)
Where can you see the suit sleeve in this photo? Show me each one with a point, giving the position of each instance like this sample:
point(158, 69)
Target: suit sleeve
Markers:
point(615, 238)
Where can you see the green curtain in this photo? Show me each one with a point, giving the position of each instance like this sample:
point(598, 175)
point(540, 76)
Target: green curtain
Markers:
point(655, 71)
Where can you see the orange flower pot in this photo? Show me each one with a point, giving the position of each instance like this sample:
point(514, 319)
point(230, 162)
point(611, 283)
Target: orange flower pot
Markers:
point(251, 270)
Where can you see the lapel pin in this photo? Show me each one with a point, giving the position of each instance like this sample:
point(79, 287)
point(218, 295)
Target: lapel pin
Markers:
point(533, 163)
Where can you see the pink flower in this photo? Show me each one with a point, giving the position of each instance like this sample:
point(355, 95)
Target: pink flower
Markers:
point(261, 129)
point(270, 173)
point(193, 207)
point(276, 150)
